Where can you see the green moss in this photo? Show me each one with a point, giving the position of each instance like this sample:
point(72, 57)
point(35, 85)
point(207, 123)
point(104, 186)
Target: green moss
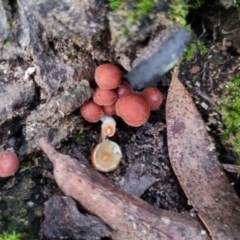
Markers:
point(195, 46)
point(195, 4)
point(178, 11)
point(78, 137)
point(114, 4)
point(229, 108)
point(140, 7)
point(132, 12)
point(7, 43)
point(11, 236)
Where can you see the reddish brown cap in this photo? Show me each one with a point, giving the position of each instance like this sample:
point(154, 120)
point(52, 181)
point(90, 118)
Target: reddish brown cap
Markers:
point(110, 110)
point(104, 97)
point(9, 163)
point(124, 89)
point(153, 97)
point(133, 109)
point(106, 156)
point(108, 76)
point(91, 112)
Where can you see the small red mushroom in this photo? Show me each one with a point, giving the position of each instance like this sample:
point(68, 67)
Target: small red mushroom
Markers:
point(133, 109)
point(9, 163)
point(109, 110)
point(104, 97)
point(124, 89)
point(108, 76)
point(91, 112)
point(153, 97)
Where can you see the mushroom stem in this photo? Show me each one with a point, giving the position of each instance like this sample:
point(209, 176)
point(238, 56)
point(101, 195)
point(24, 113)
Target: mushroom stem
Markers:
point(108, 127)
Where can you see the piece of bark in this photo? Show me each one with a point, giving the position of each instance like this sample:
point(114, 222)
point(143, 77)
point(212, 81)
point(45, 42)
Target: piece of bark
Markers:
point(128, 216)
point(64, 221)
point(14, 96)
point(53, 119)
point(194, 160)
point(231, 168)
point(4, 28)
point(137, 180)
point(70, 18)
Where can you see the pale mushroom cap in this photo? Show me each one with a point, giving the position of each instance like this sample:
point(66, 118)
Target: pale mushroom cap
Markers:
point(104, 97)
point(153, 97)
point(106, 156)
point(108, 76)
point(133, 109)
point(9, 163)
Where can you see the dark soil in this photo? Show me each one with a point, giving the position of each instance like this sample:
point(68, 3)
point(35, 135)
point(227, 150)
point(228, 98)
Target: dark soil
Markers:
point(22, 197)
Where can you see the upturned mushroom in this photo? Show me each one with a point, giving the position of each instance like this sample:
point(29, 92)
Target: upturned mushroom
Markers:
point(108, 76)
point(133, 109)
point(106, 156)
point(9, 164)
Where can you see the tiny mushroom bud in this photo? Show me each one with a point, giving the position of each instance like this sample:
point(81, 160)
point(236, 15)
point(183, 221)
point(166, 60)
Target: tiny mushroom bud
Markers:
point(133, 109)
point(106, 156)
point(9, 163)
point(109, 110)
point(91, 112)
point(124, 89)
point(104, 97)
point(108, 76)
point(108, 127)
point(153, 97)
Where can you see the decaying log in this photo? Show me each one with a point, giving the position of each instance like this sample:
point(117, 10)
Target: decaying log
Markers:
point(128, 216)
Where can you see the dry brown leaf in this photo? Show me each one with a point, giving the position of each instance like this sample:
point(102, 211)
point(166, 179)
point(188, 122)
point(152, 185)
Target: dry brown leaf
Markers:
point(194, 161)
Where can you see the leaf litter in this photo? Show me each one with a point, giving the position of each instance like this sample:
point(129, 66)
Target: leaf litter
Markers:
point(195, 162)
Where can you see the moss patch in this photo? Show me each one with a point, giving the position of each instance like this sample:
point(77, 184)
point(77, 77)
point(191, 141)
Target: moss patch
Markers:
point(11, 236)
point(230, 109)
point(194, 47)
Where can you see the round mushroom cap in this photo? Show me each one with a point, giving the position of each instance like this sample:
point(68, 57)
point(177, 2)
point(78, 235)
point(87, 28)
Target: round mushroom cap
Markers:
point(108, 76)
point(124, 89)
point(9, 163)
point(104, 97)
point(133, 109)
point(106, 156)
point(153, 97)
point(91, 112)
point(109, 110)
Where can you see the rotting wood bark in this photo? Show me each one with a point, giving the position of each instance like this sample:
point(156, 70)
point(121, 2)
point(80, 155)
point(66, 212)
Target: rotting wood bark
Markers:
point(128, 216)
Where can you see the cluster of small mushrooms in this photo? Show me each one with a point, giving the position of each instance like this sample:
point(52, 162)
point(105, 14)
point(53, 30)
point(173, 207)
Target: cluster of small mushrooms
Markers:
point(113, 96)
